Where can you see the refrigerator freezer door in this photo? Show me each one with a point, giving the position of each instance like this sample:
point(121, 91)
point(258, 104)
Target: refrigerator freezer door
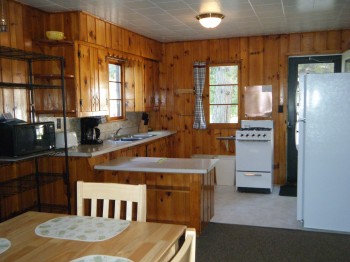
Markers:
point(326, 176)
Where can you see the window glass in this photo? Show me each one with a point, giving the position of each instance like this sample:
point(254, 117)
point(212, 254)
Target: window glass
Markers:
point(223, 94)
point(116, 92)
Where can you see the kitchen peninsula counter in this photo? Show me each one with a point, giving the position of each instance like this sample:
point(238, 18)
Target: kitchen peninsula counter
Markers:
point(179, 190)
point(159, 165)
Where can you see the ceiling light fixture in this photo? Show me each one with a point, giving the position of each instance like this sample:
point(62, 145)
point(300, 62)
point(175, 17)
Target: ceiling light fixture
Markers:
point(210, 20)
point(3, 24)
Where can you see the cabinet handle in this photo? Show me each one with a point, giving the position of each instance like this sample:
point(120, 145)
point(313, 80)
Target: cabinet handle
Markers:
point(251, 174)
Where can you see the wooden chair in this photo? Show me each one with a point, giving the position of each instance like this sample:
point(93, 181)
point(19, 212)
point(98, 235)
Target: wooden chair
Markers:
point(187, 252)
point(111, 191)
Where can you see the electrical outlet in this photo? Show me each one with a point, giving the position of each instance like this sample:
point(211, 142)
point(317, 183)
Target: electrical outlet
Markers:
point(58, 123)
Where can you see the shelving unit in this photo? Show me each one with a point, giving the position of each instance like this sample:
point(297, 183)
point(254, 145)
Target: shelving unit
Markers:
point(36, 179)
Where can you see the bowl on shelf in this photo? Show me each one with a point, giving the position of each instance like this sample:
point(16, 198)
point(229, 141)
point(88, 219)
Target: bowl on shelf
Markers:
point(55, 35)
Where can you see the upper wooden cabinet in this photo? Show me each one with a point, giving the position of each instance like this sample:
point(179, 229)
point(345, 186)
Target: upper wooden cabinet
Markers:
point(151, 87)
point(89, 41)
point(92, 79)
point(141, 86)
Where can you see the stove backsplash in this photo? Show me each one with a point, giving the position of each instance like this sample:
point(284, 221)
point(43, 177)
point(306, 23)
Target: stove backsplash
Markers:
point(129, 126)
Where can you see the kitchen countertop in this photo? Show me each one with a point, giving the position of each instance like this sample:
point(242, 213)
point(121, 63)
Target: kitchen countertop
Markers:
point(110, 145)
point(159, 165)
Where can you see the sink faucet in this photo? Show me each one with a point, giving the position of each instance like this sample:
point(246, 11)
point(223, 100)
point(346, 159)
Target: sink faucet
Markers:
point(116, 132)
point(115, 135)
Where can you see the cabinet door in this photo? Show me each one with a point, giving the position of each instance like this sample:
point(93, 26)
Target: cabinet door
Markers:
point(93, 80)
point(148, 89)
point(86, 90)
point(151, 96)
point(102, 87)
point(129, 87)
point(139, 86)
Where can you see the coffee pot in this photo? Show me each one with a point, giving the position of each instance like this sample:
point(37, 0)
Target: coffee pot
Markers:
point(90, 134)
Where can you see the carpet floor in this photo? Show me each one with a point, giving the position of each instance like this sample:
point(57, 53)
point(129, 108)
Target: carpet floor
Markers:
point(224, 242)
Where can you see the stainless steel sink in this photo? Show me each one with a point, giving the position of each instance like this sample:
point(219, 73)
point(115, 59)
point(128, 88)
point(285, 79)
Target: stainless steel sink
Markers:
point(144, 136)
point(130, 139)
point(116, 142)
point(135, 137)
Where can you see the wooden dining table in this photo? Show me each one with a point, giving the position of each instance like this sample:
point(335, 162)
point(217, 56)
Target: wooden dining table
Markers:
point(140, 241)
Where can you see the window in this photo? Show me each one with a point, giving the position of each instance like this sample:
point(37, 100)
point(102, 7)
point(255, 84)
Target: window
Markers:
point(223, 94)
point(116, 90)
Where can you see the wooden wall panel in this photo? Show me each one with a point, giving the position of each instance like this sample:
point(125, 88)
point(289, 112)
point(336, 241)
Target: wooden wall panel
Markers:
point(83, 33)
point(218, 50)
point(345, 40)
point(294, 43)
point(263, 60)
point(271, 77)
point(55, 22)
point(334, 40)
point(307, 41)
point(108, 35)
point(320, 42)
point(100, 32)
point(91, 29)
point(234, 49)
point(256, 56)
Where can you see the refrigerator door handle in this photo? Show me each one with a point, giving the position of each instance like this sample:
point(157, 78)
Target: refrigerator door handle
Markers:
point(301, 120)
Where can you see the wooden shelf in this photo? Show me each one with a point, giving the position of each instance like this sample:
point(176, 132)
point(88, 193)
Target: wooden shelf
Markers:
point(48, 42)
point(51, 76)
point(54, 111)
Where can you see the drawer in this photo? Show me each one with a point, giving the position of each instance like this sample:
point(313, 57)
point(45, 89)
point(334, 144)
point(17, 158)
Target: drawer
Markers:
point(254, 179)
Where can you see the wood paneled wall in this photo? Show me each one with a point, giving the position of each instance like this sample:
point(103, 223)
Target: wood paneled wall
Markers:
point(263, 60)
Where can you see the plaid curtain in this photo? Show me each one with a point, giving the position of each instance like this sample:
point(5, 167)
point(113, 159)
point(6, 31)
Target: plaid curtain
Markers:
point(199, 81)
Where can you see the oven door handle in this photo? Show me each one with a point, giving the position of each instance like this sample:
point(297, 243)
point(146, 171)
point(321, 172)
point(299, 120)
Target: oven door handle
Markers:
point(252, 174)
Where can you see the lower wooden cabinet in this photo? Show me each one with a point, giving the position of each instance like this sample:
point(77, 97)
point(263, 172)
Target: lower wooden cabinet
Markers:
point(186, 199)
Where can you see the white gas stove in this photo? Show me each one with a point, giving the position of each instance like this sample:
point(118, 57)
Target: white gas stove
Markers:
point(254, 155)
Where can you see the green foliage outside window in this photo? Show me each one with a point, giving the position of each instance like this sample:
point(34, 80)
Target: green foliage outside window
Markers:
point(223, 94)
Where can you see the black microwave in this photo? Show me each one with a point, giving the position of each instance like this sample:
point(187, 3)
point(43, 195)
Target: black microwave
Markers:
point(18, 138)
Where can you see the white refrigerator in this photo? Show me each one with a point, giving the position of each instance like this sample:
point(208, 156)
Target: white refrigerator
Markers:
point(323, 143)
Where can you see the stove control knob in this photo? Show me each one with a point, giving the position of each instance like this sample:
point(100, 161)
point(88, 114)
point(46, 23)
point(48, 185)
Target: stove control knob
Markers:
point(259, 135)
point(253, 135)
point(264, 135)
point(242, 135)
point(247, 135)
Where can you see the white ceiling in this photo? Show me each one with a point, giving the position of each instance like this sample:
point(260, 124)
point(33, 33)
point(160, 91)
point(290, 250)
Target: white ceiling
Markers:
point(174, 20)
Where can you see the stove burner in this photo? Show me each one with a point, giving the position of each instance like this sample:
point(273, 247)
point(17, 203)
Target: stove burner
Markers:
point(255, 129)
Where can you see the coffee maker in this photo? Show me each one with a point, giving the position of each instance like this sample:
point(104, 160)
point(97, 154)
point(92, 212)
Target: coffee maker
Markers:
point(90, 134)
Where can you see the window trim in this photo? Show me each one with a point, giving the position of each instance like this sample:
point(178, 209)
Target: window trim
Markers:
point(121, 63)
point(206, 98)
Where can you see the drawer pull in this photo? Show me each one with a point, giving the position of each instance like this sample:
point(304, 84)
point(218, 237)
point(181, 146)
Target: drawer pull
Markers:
point(251, 174)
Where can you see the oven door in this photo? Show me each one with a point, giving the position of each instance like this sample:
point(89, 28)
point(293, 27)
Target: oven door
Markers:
point(254, 156)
